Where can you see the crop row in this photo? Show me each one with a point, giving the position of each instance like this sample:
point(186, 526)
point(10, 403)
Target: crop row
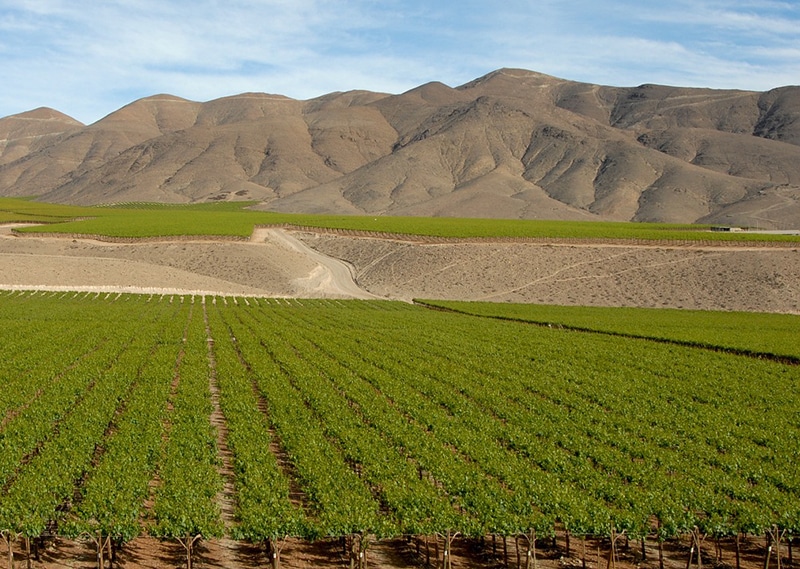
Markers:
point(113, 496)
point(189, 479)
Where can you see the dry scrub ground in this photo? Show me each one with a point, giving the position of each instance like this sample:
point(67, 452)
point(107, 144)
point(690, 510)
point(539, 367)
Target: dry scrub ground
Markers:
point(272, 264)
point(765, 279)
point(275, 263)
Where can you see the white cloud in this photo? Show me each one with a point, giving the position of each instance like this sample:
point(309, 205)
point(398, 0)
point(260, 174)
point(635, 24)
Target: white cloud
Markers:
point(713, 44)
point(89, 62)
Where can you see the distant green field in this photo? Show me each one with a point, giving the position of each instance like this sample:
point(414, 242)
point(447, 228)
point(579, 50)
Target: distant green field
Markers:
point(13, 210)
point(232, 219)
point(757, 333)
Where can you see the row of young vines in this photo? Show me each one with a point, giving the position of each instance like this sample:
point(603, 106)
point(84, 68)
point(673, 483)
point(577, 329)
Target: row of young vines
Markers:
point(360, 420)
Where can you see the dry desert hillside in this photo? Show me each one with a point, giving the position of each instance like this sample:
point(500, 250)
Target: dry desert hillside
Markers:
point(511, 144)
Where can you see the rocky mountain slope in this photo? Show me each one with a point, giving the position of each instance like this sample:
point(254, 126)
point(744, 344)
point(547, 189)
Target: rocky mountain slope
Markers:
point(513, 144)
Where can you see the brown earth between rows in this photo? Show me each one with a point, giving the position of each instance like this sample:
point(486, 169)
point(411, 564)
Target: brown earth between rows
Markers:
point(151, 553)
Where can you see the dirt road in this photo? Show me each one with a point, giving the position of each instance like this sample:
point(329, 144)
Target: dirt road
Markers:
point(272, 264)
point(330, 277)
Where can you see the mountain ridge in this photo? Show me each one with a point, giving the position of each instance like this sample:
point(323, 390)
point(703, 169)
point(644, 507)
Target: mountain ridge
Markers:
point(512, 143)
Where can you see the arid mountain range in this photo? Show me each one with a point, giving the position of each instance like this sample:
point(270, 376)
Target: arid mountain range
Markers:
point(511, 144)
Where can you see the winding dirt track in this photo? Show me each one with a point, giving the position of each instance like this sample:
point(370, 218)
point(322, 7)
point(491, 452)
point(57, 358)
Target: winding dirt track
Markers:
point(273, 263)
point(330, 277)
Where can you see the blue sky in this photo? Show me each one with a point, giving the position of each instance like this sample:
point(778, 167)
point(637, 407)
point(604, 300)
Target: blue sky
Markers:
point(87, 59)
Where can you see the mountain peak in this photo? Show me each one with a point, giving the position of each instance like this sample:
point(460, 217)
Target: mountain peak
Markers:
point(30, 125)
point(509, 75)
point(46, 114)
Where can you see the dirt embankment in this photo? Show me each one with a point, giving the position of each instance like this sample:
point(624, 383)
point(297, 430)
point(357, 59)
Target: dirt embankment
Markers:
point(272, 264)
point(284, 263)
point(752, 278)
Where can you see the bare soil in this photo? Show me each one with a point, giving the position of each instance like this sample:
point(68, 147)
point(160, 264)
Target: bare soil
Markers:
point(397, 553)
point(281, 263)
point(749, 278)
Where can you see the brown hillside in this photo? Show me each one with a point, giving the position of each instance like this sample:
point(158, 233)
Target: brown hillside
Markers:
point(26, 133)
point(512, 144)
point(58, 160)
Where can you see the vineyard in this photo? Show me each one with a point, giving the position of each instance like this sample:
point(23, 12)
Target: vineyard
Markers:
point(196, 418)
point(234, 220)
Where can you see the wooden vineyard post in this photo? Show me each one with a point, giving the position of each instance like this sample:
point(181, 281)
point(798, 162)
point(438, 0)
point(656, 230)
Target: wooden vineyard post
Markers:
point(188, 544)
point(769, 550)
point(105, 545)
point(612, 554)
point(28, 552)
point(10, 551)
point(738, 551)
point(447, 538)
point(774, 536)
point(274, 548)
point(583, 552)
point(530, 555)
point(660, 538)
point(697, 541)
point(358, 551)
point(101, 545)
point(611, 562)
point(9, 537)
point(364, 544)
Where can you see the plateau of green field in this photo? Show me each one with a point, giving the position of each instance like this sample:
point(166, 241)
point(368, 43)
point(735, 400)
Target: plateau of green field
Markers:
point(765, 334)
point(392, 419)
point(233, 219)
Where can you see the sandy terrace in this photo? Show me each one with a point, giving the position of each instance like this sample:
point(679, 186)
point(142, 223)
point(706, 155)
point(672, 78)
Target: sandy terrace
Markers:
point(281, 263)
point(271, 266)
point(714, 278)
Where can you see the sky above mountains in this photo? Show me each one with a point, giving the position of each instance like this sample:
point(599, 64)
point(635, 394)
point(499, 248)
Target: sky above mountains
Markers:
point(88, 59)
